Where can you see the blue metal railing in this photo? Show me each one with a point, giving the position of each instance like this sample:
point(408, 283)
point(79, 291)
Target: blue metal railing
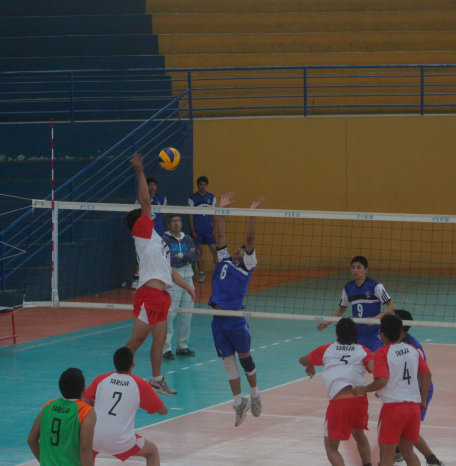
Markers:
point(98, 182)
point(305, 90)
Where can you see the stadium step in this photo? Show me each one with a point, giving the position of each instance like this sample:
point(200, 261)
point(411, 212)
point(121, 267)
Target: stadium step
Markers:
point(75, 25)
point(81, 63)
point(373, 41)
point(49, 46)
point(242, 6)
point(70, 7)
point(298, 22)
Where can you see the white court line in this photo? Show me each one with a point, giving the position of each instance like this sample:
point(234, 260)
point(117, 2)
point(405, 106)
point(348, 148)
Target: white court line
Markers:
point(321, 418)
point(60, 340)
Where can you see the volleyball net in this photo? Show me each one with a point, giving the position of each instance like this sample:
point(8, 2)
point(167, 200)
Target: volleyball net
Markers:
point(303, 260)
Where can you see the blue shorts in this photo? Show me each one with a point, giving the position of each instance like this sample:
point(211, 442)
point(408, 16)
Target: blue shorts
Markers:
point(230, 337)
point(205, 237)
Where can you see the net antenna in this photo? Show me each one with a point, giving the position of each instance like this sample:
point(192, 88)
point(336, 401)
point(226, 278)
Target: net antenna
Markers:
point(55, 231)
point(303, 260)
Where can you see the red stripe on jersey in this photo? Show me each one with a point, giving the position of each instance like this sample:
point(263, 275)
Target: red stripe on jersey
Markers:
point(92, 389)
point(381, 368)
point(149, 401)
point(316, 356)
point(143, 227)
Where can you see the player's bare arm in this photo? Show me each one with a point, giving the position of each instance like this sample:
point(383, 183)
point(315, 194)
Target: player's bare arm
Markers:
point(143, 191)
point(225, 201)
point(424, 382)
point(337, 313)
point(178, 280)
point(34, 437)
point(86, 439)
point(374, 386)
point(162, 410)
point(310, 368)
point(250, 235)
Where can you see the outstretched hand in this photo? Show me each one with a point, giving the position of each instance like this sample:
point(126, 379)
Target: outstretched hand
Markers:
point(226, 200)
point(136, 160)
point(257, 203)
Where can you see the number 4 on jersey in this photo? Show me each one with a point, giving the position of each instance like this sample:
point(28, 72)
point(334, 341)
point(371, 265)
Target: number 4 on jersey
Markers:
point(406, 375)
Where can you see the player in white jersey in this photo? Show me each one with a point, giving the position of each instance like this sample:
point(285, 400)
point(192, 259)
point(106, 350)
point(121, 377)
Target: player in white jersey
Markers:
point(344, 364)
point(117, 396)
point(230, 281)
point(402, 379)
point(152, 301)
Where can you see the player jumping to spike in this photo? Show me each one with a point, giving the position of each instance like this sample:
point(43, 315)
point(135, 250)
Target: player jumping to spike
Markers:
point(231, 334)
point(152, 301)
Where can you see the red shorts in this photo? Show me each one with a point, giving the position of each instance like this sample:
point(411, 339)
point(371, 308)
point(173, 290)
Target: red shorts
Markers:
point(151, 305)
point(399, 420)
point(131, 452)
point(345, 414)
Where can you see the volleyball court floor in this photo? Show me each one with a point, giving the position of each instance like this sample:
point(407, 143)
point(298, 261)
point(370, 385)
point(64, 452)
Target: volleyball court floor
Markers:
point(199, 428)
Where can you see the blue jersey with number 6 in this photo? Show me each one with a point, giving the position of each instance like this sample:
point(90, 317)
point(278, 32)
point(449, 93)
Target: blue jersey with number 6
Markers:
point(230, 280)
point(366, 301)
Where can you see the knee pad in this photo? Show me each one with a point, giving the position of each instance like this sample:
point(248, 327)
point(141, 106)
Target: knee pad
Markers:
point(248, 365)
point(231, 368)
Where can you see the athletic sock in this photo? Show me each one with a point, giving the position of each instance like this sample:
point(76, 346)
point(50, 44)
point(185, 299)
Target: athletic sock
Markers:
point(158, 378)
point(254, 392)
point(237, 400)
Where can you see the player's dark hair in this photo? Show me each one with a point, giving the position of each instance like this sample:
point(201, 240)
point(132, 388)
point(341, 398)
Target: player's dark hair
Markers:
point(123, 359)
point(391, 326)
point(346, 331)
point(404, 315)
point(361, 259)
point(202, 179)
point(151, 179)
point(131, 217)
point(72, 383)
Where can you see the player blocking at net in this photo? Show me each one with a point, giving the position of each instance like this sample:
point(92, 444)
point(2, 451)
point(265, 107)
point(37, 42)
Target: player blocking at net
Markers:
point(230, 281)
point(151, 301)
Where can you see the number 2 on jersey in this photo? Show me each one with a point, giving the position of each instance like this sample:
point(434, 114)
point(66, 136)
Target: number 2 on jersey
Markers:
point(119, 396)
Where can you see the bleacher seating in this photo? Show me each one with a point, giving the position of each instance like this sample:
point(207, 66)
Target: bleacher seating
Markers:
point(255, 33)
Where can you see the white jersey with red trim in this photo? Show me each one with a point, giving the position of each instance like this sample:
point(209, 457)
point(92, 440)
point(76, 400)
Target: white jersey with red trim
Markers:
point(153, 253)
point(117, 397)
point(344, 365)
point(400, 363)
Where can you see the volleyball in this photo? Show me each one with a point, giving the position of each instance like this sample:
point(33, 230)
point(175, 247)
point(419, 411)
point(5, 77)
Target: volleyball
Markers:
point(169, 158)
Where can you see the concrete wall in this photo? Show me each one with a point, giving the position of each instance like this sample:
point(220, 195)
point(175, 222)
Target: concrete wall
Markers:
point(376, 164)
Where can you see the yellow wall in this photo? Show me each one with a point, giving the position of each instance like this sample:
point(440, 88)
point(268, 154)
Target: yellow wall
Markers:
point(375, 164)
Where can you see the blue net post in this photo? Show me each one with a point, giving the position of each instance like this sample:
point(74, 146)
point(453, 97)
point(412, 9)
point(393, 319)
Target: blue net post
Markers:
point(304, 70)
point(421, 90)
point(190, 104)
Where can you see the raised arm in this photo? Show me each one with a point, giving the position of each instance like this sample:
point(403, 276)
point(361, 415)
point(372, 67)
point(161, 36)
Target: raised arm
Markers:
point(225, 201)
point(250, 235)
point(143, 191)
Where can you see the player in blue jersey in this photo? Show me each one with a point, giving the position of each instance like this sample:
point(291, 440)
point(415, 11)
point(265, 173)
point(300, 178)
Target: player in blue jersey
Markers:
point(202, 226)
point(231, 334)
point(366, 297)
point(421, 445)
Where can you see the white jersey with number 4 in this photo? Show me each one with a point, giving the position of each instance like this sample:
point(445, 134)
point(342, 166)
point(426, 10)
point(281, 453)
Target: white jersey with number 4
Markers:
point(401, 364)
point(117, 397)
point(344, 365)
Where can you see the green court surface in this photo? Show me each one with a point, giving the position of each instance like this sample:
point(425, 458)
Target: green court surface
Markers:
point(30, 371)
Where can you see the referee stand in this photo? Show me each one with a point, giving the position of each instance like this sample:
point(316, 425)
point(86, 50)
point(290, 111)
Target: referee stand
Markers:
point(9, 312)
